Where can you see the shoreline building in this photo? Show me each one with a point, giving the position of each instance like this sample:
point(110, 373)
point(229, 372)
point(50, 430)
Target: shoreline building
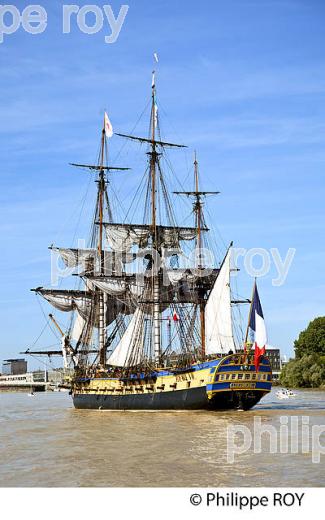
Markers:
point(14, 376)
point(274, 356)
point(14, 367)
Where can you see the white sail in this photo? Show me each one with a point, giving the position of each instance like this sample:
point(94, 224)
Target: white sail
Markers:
point(84, 303)
point(75, 257)
point(113, 287)
point(130, 346)
point(78, 328)
point(66, 301)
point(83, 257)
point(192, 276)
point(64, 344)
point(122, 284)
point(218, 322)
point(170, 237)
point(118, 287)
point(121, 237)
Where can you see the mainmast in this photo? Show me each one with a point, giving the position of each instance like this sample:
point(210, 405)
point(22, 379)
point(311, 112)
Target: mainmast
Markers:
point(102, 296)
point(200, 225)
point(154, 170)
point(154, 157)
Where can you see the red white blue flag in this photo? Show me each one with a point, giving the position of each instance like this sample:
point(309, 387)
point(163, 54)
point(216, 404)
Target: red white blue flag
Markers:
point(257, 325)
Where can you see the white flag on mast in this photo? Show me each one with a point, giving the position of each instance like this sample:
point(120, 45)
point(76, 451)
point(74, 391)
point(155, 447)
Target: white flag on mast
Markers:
point(108, 126)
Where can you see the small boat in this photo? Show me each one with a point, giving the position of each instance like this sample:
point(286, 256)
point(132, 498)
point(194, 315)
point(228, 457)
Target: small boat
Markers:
point(285, 394)
point(282, 395)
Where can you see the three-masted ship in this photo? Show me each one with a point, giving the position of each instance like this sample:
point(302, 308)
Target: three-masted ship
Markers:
point(149, 333)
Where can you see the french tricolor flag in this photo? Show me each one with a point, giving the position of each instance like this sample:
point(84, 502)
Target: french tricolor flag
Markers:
point(257, 324)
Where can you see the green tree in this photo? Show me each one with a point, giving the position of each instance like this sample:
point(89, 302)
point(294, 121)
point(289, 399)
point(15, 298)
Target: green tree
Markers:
point(312, 339)
point(307, 371)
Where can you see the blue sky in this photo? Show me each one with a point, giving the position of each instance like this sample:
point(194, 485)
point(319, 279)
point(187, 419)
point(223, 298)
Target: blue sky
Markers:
point(243, 82)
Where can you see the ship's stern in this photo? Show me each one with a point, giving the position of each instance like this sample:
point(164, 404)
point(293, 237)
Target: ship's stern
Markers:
point(236, 384)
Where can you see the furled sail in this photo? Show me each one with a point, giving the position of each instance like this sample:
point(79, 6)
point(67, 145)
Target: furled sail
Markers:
point(75, 257)
point(129, 349)
point(65, 300)
point(121, 237)
point(118, 286)
point(193, 276)
point(84, 302)
point(83, 257)
point(182, 284)
point(218, 322)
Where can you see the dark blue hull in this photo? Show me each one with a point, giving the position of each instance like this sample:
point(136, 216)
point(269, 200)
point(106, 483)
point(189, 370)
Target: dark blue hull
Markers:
point(189, 399)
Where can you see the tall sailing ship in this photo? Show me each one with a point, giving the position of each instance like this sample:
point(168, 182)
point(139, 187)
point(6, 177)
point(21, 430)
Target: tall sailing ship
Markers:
point(148, 333)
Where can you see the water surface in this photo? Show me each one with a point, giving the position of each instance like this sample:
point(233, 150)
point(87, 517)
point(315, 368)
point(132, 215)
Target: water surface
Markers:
point(44, 441)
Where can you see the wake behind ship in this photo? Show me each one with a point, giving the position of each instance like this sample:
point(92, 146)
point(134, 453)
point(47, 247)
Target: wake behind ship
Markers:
point(152, 323)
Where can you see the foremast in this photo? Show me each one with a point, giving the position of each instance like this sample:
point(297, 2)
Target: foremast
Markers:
point(91, 304)
point(102, 199)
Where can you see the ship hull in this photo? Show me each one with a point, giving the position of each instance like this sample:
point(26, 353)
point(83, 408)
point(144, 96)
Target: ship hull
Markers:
point(192, 399)
point(222, 384)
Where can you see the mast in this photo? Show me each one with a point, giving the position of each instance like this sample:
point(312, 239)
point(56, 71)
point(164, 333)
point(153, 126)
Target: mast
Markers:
point(102, 295)
point(153, 160)
point(82, 301)
point(198, 210)
point(101, 189)
point(199, 220)
point(155, 277)
point(198, 207)
point(102, 197)
point(156, 145)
